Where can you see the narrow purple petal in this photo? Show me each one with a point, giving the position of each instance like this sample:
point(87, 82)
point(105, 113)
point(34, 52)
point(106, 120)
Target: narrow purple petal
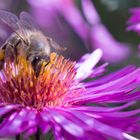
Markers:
point(116, 83)
point(120, 114)
point(98, 70)
point(29, 132)
point(127, 98)
point(102, 109)
point(95, 98)
point(73, 16)
point(44, 121)
point(102, 39)
point(84, 69)
point(106, 95)
point(17, 122)
point(134, 20)
point(129, 137)
point(91, 123)
point(112, 76)
point(7, 108)
point(128, 123)
point(90, 12)
point(68, 125)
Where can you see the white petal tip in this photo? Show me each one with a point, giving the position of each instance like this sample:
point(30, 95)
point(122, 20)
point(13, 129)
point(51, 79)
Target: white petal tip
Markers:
point(129, 137)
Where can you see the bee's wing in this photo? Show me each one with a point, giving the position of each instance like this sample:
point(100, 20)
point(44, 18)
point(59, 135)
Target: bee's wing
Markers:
point(25, 21)
point(12, 21)
point(28, 22)
point(9, 19)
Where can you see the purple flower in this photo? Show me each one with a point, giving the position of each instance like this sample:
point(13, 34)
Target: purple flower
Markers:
point(134, 20)
point(59, 100)
point(134, 23)
point(57, 16)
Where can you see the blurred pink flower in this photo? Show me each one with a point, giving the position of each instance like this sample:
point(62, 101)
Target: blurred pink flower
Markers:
point(134, 23)
point(59, 18)
point(134, 20)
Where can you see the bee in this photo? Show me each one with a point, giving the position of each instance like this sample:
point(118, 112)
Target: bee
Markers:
point(26, 39)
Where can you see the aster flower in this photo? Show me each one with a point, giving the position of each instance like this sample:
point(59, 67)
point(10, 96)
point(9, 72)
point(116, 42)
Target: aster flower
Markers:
point(58, 99)
point(87, 26)
point(134, 20)
point(134, 23)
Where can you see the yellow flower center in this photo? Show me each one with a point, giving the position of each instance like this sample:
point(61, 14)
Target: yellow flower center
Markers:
point(19, 83)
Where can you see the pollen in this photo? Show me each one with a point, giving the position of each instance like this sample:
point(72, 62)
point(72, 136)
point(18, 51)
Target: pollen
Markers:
point(19, 83)
point(1, 54)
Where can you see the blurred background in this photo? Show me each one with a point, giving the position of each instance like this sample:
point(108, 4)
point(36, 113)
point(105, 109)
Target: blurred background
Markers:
point(82, 26)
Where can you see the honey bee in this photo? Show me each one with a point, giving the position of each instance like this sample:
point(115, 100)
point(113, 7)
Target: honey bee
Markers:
point(26, 39)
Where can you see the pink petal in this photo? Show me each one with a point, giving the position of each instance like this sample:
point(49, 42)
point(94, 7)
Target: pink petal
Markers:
point(90, 12)
point(85, 68)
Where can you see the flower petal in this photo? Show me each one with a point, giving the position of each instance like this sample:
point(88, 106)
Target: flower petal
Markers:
point(117, 83)
point(134, 20)
point(101, 38)
point(102, 109)
point(90, 124)
point(90, 12)
point(7, 108)
point(17, 122)
point(84, 69)
point(113, 76)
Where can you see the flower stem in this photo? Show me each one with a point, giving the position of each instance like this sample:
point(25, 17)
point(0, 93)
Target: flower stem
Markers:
point(18, 137)
point(37, 134)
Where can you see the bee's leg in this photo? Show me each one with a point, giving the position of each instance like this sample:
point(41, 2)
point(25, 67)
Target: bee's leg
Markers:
point(8, 52)
point(11, 51)
point(2, 53)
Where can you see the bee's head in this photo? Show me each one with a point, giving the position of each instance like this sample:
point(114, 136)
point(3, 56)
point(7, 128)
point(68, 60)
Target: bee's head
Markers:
point(37, 61)
point(38, 44)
